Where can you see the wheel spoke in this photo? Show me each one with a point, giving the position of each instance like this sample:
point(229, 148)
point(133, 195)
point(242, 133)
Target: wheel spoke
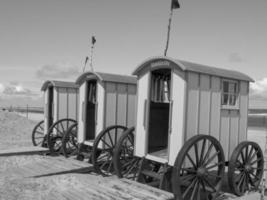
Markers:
point(253, 156)
point(61, 133)
point(102, 139)
point(196, 153)
point(259, 159)
point(110, 139)
point(191, 160)
point(209, 184)
point(194, 190)
point(63, 129)
point(189, 187)
point(190, 170)
point(202, 151)
point(241, 180)
point(208, 153)
point(211, 158)
point(214, 165)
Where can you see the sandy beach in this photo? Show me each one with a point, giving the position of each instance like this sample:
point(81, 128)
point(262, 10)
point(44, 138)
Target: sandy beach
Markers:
point(16, 131)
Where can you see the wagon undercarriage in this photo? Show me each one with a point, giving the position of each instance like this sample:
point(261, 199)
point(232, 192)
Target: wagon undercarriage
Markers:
point(199, 170)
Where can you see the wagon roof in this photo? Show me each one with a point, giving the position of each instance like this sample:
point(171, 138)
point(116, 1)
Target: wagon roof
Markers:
point(106, 77)
point(54, 83)
point(193, 67)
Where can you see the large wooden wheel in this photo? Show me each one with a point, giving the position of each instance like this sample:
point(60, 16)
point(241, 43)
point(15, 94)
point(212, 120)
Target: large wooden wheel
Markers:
point(38, 134)
point(103, 148)
point(245, 167)
point(199, 169)
point(69, 141)
point(126, 165)
point(56, 133)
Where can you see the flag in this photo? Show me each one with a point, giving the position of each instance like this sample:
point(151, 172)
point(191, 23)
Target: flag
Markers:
point(86, 60)
point(93, 40)
point(175, 4)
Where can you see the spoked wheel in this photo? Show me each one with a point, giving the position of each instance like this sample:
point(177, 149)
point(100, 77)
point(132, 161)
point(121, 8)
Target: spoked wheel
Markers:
point(103, 149)
point(69, 141)
point(126, 165)
point(38, 134)
point(56, 133)
point(245, 168)
point(199, 169)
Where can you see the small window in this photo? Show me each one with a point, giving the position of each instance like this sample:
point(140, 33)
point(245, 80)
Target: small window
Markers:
point(230, 92)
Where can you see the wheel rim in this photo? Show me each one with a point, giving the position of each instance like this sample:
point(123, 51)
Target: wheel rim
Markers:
point(199, 169)
point(245, 168)
point(69, 141)
point(38, 134)
point(56, 132)
point(125, 163)
point(103, 149)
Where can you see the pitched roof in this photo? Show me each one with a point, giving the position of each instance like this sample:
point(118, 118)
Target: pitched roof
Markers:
point(106, 77)
point(193, 67)
point(54, 83)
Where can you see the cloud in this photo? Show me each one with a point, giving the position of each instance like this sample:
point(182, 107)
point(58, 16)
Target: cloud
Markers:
point(15, 89)
point(62, 70)
point(235, 57)
point(258, 89)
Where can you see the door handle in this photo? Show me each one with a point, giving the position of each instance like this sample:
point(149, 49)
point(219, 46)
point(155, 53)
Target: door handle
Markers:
point(145, 113)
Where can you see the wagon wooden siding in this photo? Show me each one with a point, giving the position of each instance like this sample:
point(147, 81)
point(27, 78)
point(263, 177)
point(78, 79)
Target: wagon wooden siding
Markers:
point(115, 101)
point(206, 116)
point(195, 105)
point(65, 101)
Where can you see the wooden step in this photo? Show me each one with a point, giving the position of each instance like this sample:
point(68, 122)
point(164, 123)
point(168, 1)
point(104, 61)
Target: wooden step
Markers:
point(151, 174)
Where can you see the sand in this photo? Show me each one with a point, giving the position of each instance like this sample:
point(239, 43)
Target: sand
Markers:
point(15, 131)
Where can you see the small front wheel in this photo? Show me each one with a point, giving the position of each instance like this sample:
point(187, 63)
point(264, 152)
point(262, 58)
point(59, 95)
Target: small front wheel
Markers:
point(126, 165)
point(56, 133)
point(245, 168)
point(38, 134)
point(199, 169)
point(69, 141)
point(103, 148)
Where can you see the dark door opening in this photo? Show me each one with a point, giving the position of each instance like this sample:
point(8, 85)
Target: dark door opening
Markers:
point(159, 113)
point(50, 106)
point(90, 122)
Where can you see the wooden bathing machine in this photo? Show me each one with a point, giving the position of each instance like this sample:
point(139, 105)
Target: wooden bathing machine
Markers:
point(104, 100)
point(178, 99)
point(60, 101)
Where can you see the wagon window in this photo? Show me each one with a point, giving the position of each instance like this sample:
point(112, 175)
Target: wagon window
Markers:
point(92, 92)
point(160, 86)
point(230, 91)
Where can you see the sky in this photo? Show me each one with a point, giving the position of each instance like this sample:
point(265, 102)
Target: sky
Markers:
point(43, 40)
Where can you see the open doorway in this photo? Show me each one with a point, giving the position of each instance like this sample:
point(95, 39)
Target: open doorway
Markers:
point(90, 110)
point(159, 113)
point(50, 106)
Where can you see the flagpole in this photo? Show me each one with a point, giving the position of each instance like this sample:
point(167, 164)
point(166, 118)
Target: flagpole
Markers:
point(86, 59)
point(91, 58)
point(168, 32)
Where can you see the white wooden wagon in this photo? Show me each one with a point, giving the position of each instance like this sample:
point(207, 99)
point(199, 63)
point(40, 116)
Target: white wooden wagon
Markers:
point(60, 111)
point(190, 119)
point(106, 109)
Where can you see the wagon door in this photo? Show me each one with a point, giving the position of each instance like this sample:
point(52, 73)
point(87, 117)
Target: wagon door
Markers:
point(159, 114)
point(49, 98)
point(91, 102)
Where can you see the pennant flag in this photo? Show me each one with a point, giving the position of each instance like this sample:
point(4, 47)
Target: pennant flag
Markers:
point(86, 60)
point(175, 4)
point(93, 40)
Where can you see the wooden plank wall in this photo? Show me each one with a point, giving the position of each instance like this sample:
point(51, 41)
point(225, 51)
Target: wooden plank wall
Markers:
point(81, 107)
point(204, 114)
point(141, 119)
point(119, 104)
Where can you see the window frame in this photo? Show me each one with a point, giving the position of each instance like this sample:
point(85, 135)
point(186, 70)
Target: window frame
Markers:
point(228, 106)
